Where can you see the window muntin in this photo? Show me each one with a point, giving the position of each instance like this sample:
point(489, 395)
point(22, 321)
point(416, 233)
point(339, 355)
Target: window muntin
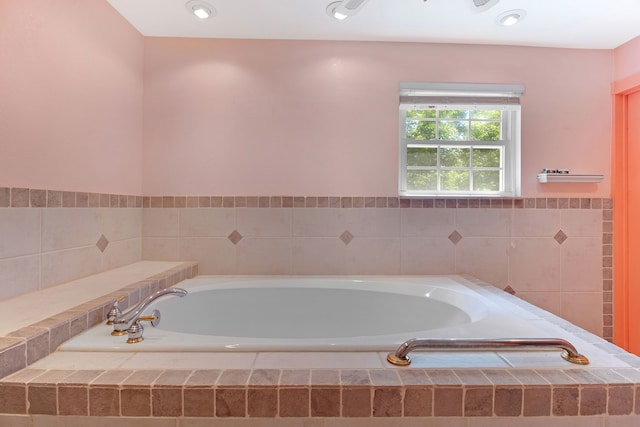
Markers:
point(469, 149)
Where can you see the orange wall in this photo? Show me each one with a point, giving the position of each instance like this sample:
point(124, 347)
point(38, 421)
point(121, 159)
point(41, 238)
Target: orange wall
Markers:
point(70, 97)
point(246, 117)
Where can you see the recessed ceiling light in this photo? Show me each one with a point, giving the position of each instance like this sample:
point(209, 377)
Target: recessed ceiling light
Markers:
point(510, 17)
point(200, 9)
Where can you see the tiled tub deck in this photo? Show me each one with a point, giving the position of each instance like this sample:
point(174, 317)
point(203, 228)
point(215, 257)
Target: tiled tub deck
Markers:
point(308, 389)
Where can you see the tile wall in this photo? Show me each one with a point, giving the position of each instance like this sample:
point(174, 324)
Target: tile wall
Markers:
point(45, 240)
point(553, 252)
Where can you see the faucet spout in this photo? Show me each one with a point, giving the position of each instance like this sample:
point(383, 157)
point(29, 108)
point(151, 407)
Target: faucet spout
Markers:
point(126, 319)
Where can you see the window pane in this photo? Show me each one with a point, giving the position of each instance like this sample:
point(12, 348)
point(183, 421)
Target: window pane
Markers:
point(454, 114)
point(422, 156)
point(486, 181)
point(486, 114)
point(421, 114)
point(453, 131)
point(486, 157)
point(485, 131)
point(420, 130)
point(420, 180)
point(454, 180)
point(454, 157)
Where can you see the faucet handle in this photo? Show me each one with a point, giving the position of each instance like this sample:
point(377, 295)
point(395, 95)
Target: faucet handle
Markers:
point(136, 330)
point(115, 310)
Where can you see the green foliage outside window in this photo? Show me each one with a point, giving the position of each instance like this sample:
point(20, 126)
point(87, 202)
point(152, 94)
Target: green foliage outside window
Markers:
point(472, 167)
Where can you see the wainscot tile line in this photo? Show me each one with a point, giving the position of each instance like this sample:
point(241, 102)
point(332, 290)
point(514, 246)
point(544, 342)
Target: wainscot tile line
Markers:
point(37, 198)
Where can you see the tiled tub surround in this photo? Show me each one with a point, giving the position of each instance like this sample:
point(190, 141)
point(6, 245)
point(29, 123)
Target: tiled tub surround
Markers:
point(553, 252)
point(329, 389)
point(34, 325)
point(60, 236)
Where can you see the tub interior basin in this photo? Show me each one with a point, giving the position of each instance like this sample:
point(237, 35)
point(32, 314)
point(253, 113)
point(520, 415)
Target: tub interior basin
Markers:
point(289, 312)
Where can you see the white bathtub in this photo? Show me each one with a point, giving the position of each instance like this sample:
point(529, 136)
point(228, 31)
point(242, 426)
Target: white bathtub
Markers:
point(319, 314)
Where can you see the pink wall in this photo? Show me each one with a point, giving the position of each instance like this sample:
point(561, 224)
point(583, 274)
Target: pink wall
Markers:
point(243, 117)
point(627, 59)
point(70, 97)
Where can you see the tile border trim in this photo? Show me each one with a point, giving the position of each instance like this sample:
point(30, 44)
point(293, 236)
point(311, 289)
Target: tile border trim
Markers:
point(36, 198)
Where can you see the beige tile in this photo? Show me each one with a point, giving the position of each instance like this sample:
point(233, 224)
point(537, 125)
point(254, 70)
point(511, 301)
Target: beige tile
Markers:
point(435, 255)
point(582, 222)
point(190, 360)
point(374, 222)
point(19, 232)
point(255, 222)
point(213, 255)
point(543, 274)
point(83, 360)
point(160, 222)
point(250, 422)
point(404, 422)
point(319, 222)
point(443, 359)
point(122, 252)
point(19, 276)
point(623, 421)
point(15, 420)
point(535, 422)
point(427, 222)
point(550, 301)
point(264, 255)
point(582, 264)
point(161, 249)
point(535, 222)
point(483, 222)
point(67, 228)
point(582, 309)
point(65, 266)
point(207, 222)
point(319, 255)
point(317, 360)
point(121, 224)
point(483, 257)
point(373, 256)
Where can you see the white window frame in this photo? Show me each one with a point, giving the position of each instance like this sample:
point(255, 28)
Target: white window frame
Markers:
point(461, 96)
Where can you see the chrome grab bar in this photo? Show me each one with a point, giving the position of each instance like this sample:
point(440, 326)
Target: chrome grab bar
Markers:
point(401, 358)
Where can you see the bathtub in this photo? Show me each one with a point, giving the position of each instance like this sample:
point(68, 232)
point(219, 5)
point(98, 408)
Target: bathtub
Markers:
point(289, 313)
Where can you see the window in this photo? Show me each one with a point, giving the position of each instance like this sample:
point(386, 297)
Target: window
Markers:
point(459, 139)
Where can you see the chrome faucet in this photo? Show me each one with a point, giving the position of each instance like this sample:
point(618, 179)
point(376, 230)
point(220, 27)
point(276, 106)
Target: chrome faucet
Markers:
point(125, 320)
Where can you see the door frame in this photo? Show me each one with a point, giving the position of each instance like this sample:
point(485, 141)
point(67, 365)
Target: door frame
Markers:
point(625, 317)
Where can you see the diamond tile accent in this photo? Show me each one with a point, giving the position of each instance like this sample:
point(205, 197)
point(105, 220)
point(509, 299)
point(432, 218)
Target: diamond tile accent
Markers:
point(235, 237)
point(102, 243)
point(346, 237)
point(560, 237)
point(509, 290)
point(455, 237)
